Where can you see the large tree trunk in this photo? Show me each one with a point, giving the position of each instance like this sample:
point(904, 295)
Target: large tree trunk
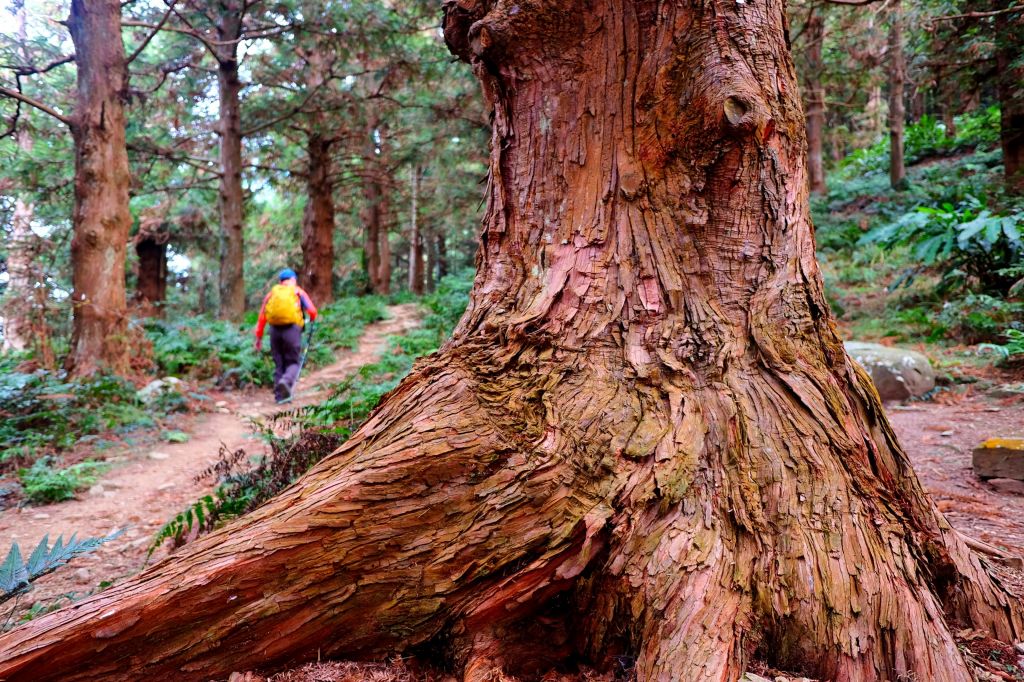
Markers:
point(1010, 43)
point(646, 408)
point(230, 196)
point(318, 222)
point(897, 80)
point(815, 102)
point(415, 235)
point(100, 219)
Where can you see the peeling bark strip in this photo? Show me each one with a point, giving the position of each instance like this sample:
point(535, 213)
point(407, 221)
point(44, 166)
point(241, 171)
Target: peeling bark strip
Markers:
point(101, 219)
point(646, 409)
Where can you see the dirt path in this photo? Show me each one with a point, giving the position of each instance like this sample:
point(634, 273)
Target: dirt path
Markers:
point(145, 488)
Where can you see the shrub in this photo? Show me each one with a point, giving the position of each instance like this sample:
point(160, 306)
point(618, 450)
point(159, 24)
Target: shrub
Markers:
point(968, 240)
point(44, 484)
point(41, 413)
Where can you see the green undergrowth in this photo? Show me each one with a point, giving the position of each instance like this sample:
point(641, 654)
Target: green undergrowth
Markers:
point(244, 483)
point(43, 414)
point(940, 261)
point(201, 348)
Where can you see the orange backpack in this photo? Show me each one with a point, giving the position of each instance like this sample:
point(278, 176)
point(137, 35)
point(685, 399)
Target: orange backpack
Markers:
point(284, 306)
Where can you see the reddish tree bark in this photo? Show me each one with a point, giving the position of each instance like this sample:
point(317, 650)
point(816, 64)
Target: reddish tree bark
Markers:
point(318, 221)
point(815, 102)
point(646, 408)
point(230, 195)
point(151, 286)
point(101, 219)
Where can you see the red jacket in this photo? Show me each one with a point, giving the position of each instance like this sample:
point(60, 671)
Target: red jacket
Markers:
point(304, 300)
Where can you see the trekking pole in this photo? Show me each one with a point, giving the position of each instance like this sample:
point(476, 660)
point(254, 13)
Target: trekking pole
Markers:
point(305, 352)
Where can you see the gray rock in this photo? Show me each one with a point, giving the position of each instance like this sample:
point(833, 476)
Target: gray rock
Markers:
point(898, 373)
point(159, 455)
point(159, 387)
point(1007, 391)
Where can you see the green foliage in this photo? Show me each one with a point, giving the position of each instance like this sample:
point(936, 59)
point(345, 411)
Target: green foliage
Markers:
point(968, 239)
point(980, 317)
point(923, 139)
point(41, 413)
point(43, 484)
point(16, 575)
point(1014, 345)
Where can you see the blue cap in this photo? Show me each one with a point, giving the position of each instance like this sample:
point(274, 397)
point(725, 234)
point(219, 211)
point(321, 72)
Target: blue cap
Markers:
point(287, 273)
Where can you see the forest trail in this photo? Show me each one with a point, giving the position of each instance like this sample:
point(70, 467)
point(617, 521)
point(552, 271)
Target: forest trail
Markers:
point(146, 487)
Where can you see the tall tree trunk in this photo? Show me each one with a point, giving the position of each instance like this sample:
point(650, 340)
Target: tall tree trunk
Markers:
point(230, 196)
point(376, 246)
point(151, 287)
point(318, 221)
point(17, 299)
point(897, 80)
point(646, 407)
point(442, 256)
point(415, 237)
point(100, 219)
point(430, 248)
point(1010, 44)
point(815, 102)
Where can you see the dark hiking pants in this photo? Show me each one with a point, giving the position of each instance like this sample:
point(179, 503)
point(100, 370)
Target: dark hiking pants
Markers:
point(286, 349)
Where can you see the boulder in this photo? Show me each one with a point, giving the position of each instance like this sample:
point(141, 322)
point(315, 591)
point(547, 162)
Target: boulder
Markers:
point(1000, 458)
point(158, 387)
point(898, 373)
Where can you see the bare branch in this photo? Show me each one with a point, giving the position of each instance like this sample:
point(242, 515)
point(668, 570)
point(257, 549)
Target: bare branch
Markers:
point(156, 29)
point(21, 97)
point(24, 70)
point(978, 15)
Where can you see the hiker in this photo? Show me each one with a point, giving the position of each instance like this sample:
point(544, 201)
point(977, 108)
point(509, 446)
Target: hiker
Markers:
point(283, 309)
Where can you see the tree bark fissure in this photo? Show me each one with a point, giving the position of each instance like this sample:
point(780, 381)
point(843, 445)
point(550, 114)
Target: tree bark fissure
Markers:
point(646, 408)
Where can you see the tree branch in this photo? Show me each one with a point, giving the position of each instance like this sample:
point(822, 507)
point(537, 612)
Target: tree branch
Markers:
point(978, 15)
point(156, 29)
point(14, 94)
point(21, 70)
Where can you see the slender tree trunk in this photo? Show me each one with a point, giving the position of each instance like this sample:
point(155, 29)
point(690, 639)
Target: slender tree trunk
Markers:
point(646, 408)
point(897, 80)
point(376, 245)
point(318, 221)
point(815, 102)
point(415, 238)
point(430, 247)
point(17, 300)
point(230, 196)
point(1010, 88)
point(151, 288)
point(100, 219)
point(442, 256)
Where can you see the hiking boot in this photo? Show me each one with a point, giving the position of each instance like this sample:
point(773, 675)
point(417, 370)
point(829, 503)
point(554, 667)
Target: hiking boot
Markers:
point(282, 392)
